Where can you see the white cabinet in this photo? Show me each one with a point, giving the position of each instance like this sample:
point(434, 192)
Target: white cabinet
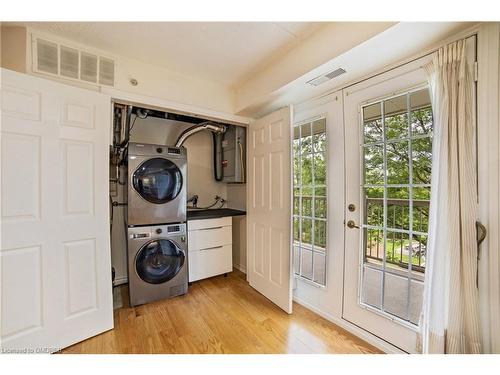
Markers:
point(210, 247)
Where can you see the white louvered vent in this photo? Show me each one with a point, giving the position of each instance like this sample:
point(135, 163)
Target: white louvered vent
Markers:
point(88, 70)
point(70, 62)
point(47, 58)
point(326, 77)
point(106, 71)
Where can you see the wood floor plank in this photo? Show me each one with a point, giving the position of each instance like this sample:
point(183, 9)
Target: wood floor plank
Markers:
point(220, 315)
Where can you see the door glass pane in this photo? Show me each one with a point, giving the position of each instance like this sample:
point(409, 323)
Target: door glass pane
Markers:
point(398, 208)
point(396, 118)
point(421, 202)
point(319, 169)
point(421, 112)
point(396, 295)
point(320, 207)
point(307, 170)
point(422, 160)
point(319, 268)
point(371, 287)
point(319, 235)
point(307, 202)
point(398, 163)
point(306, 264)
point(319, 135)
point(373, 129)
point(374, 165)
point(374, 203)
point(306, 139)
point(397, 181)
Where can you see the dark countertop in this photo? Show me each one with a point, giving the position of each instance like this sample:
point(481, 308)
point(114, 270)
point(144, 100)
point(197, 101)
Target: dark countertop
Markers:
point(213, 213)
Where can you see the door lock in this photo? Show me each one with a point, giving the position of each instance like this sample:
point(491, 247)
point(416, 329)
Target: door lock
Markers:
point(351, 224)
point(351, 207)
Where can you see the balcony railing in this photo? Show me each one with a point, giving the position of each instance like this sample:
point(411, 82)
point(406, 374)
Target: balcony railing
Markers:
point(399, 252)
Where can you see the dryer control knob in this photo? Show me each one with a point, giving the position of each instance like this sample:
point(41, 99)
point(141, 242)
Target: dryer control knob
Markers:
point(158, 231)
point(159, 150)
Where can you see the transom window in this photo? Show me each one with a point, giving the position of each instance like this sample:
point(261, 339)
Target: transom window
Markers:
point(397, 154)
point(310, 200)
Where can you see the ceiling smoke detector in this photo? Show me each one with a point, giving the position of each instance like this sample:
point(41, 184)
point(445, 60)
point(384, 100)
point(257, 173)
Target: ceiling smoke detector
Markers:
point(326, 77)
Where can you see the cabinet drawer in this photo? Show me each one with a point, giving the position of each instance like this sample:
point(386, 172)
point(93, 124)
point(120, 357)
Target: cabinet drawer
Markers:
point(210, 262)
point(209, 237)
point(209, 223)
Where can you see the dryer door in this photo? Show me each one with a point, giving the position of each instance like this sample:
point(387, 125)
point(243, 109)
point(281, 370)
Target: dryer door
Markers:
point(157, 180)
point(158, 261)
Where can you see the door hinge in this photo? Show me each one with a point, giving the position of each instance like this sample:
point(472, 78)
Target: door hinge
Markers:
point(476, 71)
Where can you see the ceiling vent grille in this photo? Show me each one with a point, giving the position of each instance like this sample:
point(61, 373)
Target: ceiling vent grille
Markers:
point(72, 63)
point(326, 77)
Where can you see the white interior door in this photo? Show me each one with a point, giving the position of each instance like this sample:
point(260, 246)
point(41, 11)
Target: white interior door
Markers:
point(388, 138)
point(268, 207)
point(55, 251)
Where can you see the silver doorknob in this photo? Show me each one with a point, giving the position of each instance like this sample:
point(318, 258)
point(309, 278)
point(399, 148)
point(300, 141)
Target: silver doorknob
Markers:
point(351, 224)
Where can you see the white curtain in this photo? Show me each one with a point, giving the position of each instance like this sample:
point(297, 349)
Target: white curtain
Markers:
point(450, 314)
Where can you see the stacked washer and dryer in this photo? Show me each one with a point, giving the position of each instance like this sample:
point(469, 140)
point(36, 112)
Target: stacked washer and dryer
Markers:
point(156, 222)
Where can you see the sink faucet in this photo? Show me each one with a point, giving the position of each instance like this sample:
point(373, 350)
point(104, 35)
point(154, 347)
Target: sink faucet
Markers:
point(193, 199)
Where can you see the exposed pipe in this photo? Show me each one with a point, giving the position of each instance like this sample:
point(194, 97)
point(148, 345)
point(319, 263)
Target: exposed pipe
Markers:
point(213, 127)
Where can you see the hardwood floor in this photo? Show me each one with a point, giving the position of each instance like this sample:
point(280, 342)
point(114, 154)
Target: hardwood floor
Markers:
point(220, 315)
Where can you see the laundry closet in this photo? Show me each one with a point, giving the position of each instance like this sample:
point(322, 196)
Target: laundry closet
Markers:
point(177, 189)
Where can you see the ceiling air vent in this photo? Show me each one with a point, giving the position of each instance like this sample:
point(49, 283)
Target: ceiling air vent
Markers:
point(72, 63)
point(326, 77)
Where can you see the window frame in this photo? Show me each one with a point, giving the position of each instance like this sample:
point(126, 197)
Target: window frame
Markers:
point(325, 253)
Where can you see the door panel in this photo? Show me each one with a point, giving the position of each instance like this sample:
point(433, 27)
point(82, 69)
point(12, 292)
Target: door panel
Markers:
point(55, 256)
point(268, 214)
point(388, 138)
point(369, 292)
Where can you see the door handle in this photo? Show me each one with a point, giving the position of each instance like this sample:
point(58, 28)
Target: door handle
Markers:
point(351, 224)
point(481, 232)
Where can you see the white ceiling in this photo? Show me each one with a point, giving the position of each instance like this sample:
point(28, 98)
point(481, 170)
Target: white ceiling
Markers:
point(224, 52)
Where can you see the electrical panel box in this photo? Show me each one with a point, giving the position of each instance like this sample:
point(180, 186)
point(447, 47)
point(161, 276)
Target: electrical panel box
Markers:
point(233, 158)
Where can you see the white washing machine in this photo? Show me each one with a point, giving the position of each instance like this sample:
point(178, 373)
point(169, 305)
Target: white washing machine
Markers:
point(157, 192)
point(157, 262)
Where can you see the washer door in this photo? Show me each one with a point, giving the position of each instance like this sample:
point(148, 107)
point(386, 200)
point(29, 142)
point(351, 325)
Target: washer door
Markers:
point(157, 180)
point(159, 261)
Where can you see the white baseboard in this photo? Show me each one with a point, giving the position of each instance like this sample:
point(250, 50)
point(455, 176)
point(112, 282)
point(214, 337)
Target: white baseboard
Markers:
point(355, 330)
point(241, 268)
point(120, 280)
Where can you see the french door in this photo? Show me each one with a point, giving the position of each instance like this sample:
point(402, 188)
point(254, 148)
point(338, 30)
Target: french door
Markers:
point(388, 129)
point(55, 253)
point(269, 195)
point(388, 142)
